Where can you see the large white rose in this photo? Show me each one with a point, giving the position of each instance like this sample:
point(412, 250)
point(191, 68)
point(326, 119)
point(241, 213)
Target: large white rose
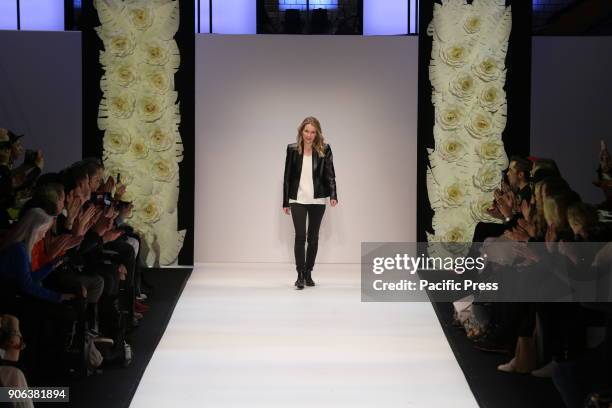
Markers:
point(457, 238)
point(479, 207)
point(116, 140)
point(125, 74)
point(472, 23)
point(150, 107)
point(120, 104)
point(149, 210)
point(488, 177)
point(156, 52)
point(157, 80)
point(120, 44)
point(139, 149)
point(451, 149)
point(488, 69)
point(480, 124)
point(164, 170)
point(160, 139)
point(450, 117)
point(454, 194)
point(141, 17)
point(455, 54)
point(490, 150)
point(463, 85)
point(492, 97)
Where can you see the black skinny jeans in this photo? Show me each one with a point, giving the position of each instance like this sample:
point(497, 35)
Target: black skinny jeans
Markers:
point(305, 262)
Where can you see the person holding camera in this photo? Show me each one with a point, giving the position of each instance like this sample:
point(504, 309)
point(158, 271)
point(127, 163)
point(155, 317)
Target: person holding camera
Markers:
point(15, 182)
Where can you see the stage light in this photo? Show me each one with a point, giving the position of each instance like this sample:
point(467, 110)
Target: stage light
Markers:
point(8, 15)
point(389, 17)
point(44, 15)
point(233, 16)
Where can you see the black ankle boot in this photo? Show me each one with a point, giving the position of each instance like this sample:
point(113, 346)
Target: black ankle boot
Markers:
point(308, 278)
point(300, 280)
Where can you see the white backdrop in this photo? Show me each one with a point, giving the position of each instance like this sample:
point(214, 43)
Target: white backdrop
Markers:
point(251, 94)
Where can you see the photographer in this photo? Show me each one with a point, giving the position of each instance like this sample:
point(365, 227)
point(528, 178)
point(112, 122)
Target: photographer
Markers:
point(15, 182)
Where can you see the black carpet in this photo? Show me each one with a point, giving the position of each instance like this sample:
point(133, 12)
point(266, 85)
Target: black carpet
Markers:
point(493, 388)
point(116, 386)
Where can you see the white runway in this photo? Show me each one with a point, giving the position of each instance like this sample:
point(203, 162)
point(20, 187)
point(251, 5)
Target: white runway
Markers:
point(242, 336)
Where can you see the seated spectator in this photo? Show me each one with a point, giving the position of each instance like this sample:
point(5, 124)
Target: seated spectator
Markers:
point(11, 344)
point(16, 255)
point(15, 182)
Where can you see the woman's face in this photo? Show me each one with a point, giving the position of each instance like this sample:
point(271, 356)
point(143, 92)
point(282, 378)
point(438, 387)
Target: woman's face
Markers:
point(95, 181)
point(308, 134)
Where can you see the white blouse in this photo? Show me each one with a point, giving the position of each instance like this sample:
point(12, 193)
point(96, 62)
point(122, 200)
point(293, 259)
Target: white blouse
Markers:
point(305, 194)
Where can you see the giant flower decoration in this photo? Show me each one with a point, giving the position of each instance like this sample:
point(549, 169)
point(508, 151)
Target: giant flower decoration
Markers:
point(467, 73)
point(140, 116)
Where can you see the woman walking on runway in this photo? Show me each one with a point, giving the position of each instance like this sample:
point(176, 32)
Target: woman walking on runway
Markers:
point(309, 179)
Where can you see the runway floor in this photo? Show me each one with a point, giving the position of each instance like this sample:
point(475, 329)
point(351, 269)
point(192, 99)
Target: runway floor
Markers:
point(242, 336)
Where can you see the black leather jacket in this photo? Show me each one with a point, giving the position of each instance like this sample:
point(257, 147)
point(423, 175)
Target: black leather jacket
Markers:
point(323, 175)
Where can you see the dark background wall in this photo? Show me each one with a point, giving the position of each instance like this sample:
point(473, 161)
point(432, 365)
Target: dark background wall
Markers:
point(40, 92)
point(571, 106)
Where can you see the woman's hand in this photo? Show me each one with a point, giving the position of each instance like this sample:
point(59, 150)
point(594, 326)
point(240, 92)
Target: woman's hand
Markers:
point(333, 202)
point(287, 210)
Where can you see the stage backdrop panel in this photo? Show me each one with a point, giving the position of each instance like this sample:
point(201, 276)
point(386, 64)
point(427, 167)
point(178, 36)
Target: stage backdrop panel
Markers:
point(570, 106)
point(41, 92)
point(251, 94)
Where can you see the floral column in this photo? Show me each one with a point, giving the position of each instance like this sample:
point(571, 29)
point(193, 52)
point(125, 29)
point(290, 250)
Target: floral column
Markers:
point(467, 72)
point(140, 116)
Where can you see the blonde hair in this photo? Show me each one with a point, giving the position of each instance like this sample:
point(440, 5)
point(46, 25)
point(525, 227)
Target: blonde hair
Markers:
point(582, 214)
point(319, 142)
point(26, 229)
point(555, 210)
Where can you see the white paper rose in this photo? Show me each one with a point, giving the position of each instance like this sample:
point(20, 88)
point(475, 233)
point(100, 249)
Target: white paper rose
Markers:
point(452, 149)
point(472, 23)
point(120, 45)
point(139, 149)
point(488, 177)
point(492, 97)
point(125, 74)
point(157, 80)
point(454, 55)
point(480, 124)
point(156, 53)
point(141, 17)
point(116, 140)
point(450, 117)
point(160, 139)
point(490, 150)
point(121, 104)
point(164, 170)
point(453, 194)
point(150, 108)
point(463, 86)
point(479, 207)
point(150, 210)
point(488, 69)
